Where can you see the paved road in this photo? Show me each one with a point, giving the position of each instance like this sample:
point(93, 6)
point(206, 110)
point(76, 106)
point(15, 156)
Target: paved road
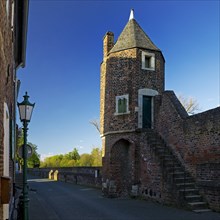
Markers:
point(50, 200)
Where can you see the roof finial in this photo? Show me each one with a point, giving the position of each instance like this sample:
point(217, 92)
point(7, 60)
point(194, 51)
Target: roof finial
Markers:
point(131, 14)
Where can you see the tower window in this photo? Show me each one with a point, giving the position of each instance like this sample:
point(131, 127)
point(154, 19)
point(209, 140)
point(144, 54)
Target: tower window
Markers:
point(148, 61)
point(122, 105)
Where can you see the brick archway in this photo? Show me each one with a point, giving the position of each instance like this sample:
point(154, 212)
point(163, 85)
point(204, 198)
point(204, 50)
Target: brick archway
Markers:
point(121, 165)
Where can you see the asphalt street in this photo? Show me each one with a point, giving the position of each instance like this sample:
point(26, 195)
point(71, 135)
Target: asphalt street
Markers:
point(51, 200)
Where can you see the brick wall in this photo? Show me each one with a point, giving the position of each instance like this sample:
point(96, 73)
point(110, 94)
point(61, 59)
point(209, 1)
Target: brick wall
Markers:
point(208, 175)
point(195, 139)
point(7, 83)
point(138, 167)
point(121, 74)
point(169, 120)
point(202, 137)
point(91, 176)
point(151, 179)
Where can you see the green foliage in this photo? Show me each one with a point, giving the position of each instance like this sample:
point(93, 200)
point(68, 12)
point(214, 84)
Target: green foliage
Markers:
point(73, 158)
point(34, 160)
point(73, 155)
point(67, 160)
point(20, 142)
point(70, 159)
point(96, 157)
point(53, 161)
point(85, 160)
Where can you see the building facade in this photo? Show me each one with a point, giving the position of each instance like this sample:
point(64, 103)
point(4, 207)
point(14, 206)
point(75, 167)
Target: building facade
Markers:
point(13, 30)
point(151, 147)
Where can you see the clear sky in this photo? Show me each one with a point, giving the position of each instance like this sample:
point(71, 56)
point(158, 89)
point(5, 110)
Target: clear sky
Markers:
point(64, 52)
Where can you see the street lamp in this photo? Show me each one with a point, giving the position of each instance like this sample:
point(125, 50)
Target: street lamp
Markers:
point(25, 112)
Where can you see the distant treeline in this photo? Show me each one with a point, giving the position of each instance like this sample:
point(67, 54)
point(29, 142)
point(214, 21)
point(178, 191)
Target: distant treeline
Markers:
point(73, 158)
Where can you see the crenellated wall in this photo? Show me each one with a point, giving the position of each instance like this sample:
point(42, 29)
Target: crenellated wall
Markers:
point(91, 176)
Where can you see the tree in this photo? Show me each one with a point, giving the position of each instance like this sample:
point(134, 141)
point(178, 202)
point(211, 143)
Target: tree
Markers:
point(63, 160)
point(85, 160)
point(20, 142)
point(53, 161)
point(96, 123)
point(190, 104)
point(73, 158)
point(74, 155)
point(96, 155)
point(34, 160)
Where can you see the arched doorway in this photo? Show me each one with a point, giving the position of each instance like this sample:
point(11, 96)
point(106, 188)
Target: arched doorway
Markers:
point(121, 166)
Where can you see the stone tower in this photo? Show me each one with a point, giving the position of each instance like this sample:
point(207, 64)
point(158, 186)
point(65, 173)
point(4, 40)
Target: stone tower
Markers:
point(151, 146)
point(132, 73)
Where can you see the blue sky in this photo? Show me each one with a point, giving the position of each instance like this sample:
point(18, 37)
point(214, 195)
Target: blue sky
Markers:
point(64, 52)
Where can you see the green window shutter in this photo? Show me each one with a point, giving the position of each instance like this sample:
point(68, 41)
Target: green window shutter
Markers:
point(124, 101)
point(122, 105)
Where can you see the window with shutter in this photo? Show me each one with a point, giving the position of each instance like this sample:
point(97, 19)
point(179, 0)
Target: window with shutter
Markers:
point(122, 105)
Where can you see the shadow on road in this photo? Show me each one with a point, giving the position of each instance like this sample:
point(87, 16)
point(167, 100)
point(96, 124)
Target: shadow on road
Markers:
point(58, 200)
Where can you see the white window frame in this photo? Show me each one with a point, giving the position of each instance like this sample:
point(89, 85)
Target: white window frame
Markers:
point(12, 16)
point(7, 7)
point(6, 140)
point(117, 98)
point(151, 57)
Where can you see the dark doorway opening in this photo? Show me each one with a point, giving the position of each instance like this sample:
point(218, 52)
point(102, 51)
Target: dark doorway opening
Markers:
point(147, 112)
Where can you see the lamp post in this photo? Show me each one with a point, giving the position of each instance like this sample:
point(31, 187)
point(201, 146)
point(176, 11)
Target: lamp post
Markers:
point(25, 112)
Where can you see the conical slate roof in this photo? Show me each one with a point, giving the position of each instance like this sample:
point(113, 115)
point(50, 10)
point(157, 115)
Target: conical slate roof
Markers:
point(133, 36)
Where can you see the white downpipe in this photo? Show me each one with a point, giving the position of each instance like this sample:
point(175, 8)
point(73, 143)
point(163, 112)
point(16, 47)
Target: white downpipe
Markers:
point(6, 153)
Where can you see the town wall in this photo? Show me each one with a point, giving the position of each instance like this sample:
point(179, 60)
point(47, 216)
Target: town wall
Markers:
point(195, 140)
point(90, 176)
